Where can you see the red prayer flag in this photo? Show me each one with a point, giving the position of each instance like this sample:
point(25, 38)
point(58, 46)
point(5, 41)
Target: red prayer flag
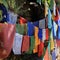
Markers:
point(46, 56)
point(40, 49)
point(22, 20)
point(58, 43)
point(25, 44)
point(7, 33)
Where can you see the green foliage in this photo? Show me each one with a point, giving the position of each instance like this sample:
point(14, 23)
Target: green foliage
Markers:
point(4, 2)
point(16, 5)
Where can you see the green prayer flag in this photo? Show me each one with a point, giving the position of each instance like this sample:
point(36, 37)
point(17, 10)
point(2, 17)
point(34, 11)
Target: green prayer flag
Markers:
point(32, 42)
point(21, 29)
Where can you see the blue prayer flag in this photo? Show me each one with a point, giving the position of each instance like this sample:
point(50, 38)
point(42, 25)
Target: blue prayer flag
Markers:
point(36, 23)
point(30, 28)
point(49, 19)
point(40, 34)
